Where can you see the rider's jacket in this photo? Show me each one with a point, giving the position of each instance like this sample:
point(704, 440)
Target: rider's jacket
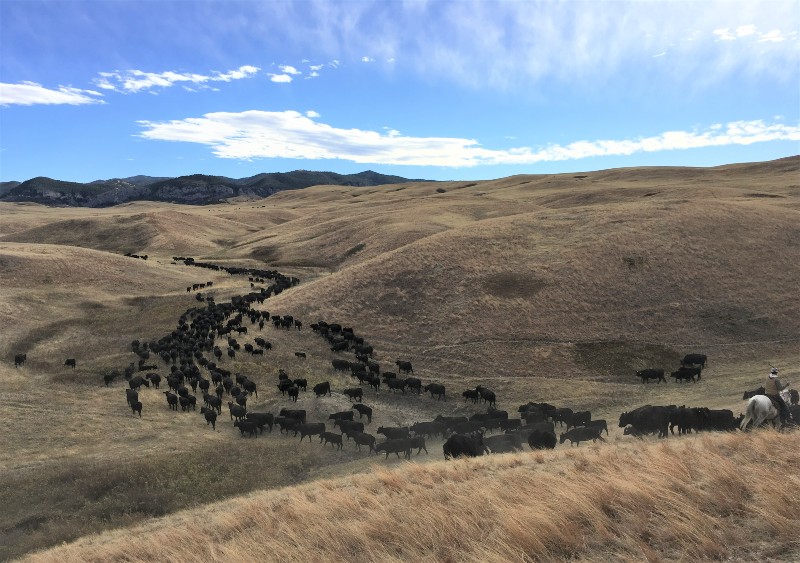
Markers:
point(772, 386)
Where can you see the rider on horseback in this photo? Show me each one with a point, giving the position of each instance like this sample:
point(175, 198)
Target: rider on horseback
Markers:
point(772, 389)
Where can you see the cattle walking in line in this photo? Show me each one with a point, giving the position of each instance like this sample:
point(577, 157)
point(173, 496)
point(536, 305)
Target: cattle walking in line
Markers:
point(70, 363)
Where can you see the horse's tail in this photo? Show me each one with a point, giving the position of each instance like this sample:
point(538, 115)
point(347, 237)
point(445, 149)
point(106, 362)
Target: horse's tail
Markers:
point(748, 414)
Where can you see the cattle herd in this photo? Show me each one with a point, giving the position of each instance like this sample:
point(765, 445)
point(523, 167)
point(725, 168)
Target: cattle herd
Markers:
point(190, 354)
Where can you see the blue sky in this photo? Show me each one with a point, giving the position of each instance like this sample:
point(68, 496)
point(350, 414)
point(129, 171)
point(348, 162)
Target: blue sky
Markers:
point(437, 90)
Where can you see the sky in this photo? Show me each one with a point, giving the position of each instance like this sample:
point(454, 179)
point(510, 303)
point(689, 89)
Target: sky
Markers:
point(440, 90)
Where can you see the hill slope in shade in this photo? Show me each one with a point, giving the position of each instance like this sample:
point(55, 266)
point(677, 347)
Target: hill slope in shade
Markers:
point(197, 189)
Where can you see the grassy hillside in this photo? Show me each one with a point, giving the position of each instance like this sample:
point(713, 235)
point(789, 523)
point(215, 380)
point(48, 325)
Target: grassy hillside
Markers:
point(545, 288)
point(698, 499)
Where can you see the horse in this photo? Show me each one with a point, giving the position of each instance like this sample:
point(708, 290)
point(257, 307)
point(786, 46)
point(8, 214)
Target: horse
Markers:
point(759, 410)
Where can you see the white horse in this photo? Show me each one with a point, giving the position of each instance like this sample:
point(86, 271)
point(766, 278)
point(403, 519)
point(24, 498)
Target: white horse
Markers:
point(759, 410)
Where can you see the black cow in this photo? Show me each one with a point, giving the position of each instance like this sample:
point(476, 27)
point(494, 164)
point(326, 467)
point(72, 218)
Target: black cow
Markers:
point(322, 389)
point(647, 374)
point(354, 394)
point(648, 420)
point(237, 411)
point(395, 446)
point(246, 426)
point(560, 415)
point(686, 374)
point(794, 397)
point(20, 359)
point(309, 429)
point(599, 425)
point(404, 366)
point(429, 429)
point(363, 410)
point(137, 382)
point(414, 383)
point(340, 365)
point(136, 406)
point(331, 438)
point(155, 379)
point(395, 384)
point(419, 443)
point(172, 400)
point(70, 363)
point(343, 415)
point(503, 443)
point(363, 439)
point(436, 390)
point(694, 360)
point(250, 386)
point(302, 383)
point(578, 435)
point(287, 423)
point(297, 414)
point(131, 396)
point(471, 394)
point(469, 445)
point(542, 440)
point(510, 424)
point(581, 418)
point(300, 354)
point(261, 419)
point(487, 395)
point(349, 425)
point(293, 392)
point(211, 416)
point(394, 432)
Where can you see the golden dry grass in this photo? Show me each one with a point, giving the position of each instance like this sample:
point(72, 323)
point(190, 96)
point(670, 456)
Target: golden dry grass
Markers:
point(731, 497)
point(546, 288)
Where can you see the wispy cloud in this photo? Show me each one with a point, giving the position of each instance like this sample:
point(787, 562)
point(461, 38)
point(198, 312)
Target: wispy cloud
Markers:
point(132, 81)
point(366, 59)
point(290, 134)
point(286, 69)
point(31, 93)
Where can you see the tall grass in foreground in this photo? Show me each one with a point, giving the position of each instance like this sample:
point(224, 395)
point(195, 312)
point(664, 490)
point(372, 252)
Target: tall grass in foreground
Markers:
point(732, 497)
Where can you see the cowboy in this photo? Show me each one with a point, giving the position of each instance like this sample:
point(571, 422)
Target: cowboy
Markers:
point(772, 389)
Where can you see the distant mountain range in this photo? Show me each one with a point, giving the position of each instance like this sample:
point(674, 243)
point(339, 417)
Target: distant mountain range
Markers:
point(197, 189)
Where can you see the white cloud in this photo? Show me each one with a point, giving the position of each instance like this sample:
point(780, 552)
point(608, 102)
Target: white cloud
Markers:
point(281, 78)
point(316, 67)
point(313, 74)
point(724, 34)
point(133, 81)
point(745, 30)
point(31, 93)
point(774, 36)
point(286, 69)
point(312, 113)
point(661, 54)
point(367, 59)
point(290, 134)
